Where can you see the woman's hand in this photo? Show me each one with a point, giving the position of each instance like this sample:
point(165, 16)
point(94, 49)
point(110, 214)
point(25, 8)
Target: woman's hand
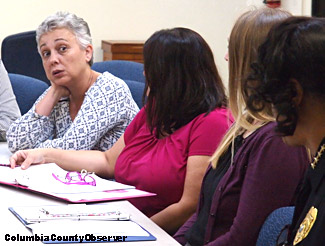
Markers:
point(52, 97)
point(60, 91)
point(102, 163)
point(25, 158)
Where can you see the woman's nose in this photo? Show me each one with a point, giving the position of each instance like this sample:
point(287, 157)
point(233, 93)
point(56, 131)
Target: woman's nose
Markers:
point(54, 58)
point(227, 56)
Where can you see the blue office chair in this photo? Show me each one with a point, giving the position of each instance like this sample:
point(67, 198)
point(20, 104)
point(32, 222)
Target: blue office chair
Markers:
point(131, 72)
point(26, 90)
point(273, 226)
point(126, 70)
point(19, 55)
point(136, 89)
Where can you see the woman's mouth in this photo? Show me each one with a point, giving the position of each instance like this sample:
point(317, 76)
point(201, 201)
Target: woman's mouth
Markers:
point(57, 73)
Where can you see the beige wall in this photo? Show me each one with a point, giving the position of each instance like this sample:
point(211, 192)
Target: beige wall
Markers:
point(138, 19)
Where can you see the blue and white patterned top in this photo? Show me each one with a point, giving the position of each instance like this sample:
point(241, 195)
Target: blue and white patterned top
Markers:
point(107, 109)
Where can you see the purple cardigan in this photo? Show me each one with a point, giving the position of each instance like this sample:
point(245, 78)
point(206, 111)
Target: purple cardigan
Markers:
point(264, 176)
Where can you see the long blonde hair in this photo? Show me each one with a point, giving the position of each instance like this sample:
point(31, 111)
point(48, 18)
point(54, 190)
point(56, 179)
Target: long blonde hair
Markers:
point(248, 33)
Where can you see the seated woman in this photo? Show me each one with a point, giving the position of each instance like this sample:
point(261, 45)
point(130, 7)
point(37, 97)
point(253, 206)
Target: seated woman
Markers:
point(252, 172)
point(166, 148)
point(82, 109)
point(9, 110)
point(289, 73)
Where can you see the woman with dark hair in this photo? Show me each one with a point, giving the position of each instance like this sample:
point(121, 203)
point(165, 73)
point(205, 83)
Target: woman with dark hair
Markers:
point(167, 147)
point(184, 80)
point(252, 171)
point(290, 75)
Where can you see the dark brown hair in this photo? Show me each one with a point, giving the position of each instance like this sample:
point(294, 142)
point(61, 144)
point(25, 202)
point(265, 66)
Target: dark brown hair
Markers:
point(182, 80)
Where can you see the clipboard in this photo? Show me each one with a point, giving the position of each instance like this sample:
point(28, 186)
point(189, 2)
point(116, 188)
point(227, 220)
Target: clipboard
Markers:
point(77, 212)
point(91, 230)
point(95, 237)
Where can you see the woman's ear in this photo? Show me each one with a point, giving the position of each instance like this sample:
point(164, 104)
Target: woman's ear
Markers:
point(298, 90)
point(89, 52)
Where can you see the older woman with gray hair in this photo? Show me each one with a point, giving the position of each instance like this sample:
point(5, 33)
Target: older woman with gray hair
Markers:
point(82, 109)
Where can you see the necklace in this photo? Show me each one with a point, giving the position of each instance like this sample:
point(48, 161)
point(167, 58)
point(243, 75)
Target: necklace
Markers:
point(317, 157)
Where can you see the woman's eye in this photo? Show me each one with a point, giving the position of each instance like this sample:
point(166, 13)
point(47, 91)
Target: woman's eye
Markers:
point(63, 48)
point(45, 53)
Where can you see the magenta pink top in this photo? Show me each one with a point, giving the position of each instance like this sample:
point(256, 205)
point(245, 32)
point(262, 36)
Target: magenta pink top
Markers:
point(159, 165)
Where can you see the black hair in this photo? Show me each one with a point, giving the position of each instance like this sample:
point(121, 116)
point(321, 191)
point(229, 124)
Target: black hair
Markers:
point(293, 50)
point(181, 78)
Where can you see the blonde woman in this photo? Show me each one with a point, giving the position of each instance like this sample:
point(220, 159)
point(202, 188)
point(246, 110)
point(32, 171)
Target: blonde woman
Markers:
point(252, 172)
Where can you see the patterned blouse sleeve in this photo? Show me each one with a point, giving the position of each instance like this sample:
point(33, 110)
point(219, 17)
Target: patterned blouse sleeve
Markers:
point(30, 130)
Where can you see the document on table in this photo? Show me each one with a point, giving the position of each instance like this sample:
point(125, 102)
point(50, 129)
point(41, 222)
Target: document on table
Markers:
point(52, 180)
point(40, 178)
point(102, 195)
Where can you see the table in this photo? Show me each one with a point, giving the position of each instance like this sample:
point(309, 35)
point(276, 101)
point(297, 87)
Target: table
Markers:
point(9, 224)
point(130, 50)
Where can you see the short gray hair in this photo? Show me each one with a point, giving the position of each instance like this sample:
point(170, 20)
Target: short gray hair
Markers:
point(67, 20)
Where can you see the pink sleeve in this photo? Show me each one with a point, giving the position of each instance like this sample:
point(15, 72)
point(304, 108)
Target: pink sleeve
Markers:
point(208, 131)
point(271, 180)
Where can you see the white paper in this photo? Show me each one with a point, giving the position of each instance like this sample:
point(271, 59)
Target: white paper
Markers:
point(7, 175)
point(114, 194)
point(40, 178)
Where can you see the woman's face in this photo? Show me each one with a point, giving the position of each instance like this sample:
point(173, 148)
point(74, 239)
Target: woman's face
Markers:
point(63, 58)
point(226, 56)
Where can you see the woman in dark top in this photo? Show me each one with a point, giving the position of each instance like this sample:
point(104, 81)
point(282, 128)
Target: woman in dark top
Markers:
point(252, 172)
point(290, 73)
